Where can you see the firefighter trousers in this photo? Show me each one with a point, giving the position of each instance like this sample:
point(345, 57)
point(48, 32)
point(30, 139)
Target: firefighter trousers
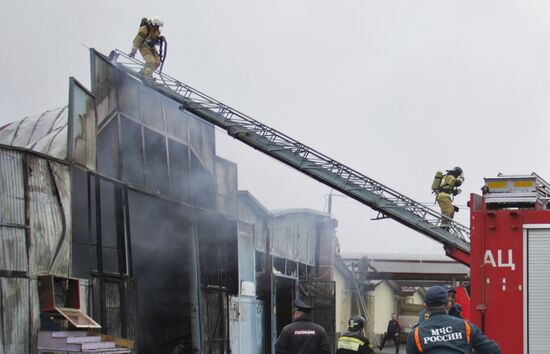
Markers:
point(152, 60)
point(447, 209)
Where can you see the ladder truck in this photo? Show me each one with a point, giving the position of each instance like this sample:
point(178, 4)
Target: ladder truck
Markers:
point(505, 246)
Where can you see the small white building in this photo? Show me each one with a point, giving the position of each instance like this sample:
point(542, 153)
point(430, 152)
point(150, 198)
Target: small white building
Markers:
point(390, 283)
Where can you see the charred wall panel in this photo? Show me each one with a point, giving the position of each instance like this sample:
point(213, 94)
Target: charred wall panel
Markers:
point(176, 120)
point(208, 149)
point(203, 184)
point(108, 161)
point(162, 246)
point(180, 187)
point(131, 152)
point(103, 87)
point(151, 108)
point(14, 301)
point(156, 164)
point(226, 180)
point(128, 96)
point(82, 124)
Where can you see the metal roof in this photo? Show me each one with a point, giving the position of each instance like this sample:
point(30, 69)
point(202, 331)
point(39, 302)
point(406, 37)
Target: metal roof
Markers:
point(401, 266)
point(45, 133)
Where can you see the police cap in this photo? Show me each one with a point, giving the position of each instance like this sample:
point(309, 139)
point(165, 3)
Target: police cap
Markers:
point(436, 296)
point(302, 306)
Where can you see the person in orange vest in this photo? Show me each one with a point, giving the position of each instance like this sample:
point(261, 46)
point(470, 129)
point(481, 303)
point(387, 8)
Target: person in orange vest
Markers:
point(445, 334)
point(146, 40)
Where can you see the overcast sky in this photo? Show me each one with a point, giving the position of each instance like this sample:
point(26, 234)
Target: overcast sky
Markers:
point(396, 89)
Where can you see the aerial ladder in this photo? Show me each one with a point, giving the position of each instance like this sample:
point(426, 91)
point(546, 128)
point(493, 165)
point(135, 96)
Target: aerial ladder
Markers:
point(388, 202)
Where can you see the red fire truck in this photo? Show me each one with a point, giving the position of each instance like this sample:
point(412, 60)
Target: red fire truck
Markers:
point(510, 262)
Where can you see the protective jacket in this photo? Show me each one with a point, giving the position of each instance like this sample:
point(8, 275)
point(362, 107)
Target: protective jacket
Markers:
point(353, 343)
point(146, 37)
point(448, 185)
point(444, 334)
point(302, 337)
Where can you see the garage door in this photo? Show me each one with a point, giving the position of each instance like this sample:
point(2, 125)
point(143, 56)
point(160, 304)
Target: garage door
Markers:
point(538, 290)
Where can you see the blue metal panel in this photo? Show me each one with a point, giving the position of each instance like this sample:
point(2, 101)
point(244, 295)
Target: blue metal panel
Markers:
point(246, 336)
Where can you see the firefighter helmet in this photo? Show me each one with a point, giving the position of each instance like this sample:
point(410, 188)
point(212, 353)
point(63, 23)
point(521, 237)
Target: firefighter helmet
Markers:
point(356, 323)
point(156, 21)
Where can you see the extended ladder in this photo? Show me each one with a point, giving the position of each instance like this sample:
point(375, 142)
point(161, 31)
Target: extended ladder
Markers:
point(383, 199)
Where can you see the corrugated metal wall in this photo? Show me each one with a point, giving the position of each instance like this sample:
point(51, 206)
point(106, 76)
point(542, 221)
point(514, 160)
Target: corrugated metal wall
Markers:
point(50, 218)
point(293, 236)
point(14, 301)
point(14, 291)
point(45, 185)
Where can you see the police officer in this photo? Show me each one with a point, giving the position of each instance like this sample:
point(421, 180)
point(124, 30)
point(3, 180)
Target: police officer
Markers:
point(353, 342)
point(145, 41)
point(446, 190)
point(302, 336)
point(444, 334)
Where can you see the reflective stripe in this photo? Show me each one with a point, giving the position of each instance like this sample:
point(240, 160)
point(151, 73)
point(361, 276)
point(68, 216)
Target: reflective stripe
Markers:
point(349, 343)
point(417, 340)
point(468, 332)
point(352, 339)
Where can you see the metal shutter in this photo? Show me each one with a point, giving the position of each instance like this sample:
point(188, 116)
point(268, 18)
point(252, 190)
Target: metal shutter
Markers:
point(538, 291)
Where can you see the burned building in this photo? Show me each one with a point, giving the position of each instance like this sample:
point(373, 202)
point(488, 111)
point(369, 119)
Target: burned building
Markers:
point(124, 191)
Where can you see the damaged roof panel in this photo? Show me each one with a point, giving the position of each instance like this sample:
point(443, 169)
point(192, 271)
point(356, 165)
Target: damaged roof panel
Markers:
point(45, 133)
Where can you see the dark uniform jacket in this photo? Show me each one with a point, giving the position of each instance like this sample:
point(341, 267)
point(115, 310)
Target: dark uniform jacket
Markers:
point(444, 334)
point(453, 311)
point(353, 343)
point(393, 327)
point(302, 337)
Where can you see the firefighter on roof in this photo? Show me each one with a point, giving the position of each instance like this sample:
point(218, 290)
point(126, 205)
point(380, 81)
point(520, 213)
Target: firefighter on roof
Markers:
point(353, 342)
point(444, 334)
point(146, 40)
point(446, 187)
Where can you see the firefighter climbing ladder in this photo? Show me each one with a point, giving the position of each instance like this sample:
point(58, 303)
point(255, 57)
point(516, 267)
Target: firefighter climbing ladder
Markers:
point(383, 199)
